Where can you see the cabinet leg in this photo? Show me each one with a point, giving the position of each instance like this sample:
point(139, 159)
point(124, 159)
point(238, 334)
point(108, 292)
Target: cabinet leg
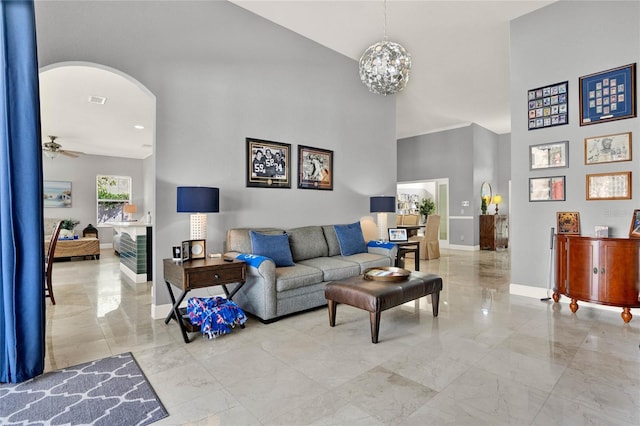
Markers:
point(626, 314)
point(556, 297)
point(573, 305)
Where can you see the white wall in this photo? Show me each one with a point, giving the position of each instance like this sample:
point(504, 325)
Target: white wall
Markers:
point(564, 41)
point(221, 74)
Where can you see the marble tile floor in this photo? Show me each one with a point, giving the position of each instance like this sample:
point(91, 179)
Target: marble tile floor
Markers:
point(489, 358)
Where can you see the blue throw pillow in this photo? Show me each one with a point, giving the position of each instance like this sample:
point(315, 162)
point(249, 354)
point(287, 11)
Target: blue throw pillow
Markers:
point(350, 239)
point(275, 247)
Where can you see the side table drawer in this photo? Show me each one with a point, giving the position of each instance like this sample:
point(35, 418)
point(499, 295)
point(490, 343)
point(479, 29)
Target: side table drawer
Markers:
point(215, 276)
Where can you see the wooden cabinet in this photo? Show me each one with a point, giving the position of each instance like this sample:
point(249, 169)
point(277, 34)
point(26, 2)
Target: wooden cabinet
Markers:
point(598, 270)
point(494, 231)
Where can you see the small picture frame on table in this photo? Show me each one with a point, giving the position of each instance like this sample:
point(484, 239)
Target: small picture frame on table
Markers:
point(608, 95)
point(634, 230)
point(609, 186)
point(197, 249)
point(568, 223)
point(186, 250)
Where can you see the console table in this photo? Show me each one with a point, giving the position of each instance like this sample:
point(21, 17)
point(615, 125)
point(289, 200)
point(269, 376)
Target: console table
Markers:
point(135, 250)
point(494, 232)
point(199, 273)
point(80, 247)
point(605, 271)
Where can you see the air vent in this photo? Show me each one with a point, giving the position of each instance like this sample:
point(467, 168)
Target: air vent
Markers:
point(97, 100)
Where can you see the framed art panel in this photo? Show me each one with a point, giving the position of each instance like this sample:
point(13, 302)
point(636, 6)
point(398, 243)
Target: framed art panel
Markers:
point(268, 164)
point(608, 95)
point(397, 234)
point(634, 230)
point(186, 250)
point(549, 155)
point(568, 223)
point(197, 249)
point(609, 186)
point(548, 105)
point(56, 193)
point(547, 188)
point(315, 168)
point(608, 148)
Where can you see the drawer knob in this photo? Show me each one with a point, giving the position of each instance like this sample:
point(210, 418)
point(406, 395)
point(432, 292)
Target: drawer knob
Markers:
point(595, 270)
point(216, 276)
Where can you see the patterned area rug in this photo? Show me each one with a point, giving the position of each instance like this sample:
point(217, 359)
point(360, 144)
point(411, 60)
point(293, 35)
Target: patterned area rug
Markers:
point(110, 391)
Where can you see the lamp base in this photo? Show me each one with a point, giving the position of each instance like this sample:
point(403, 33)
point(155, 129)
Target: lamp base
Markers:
point(198, 226)
point(382, 226)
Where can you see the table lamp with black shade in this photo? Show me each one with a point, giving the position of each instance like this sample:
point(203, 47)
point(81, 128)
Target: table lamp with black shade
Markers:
point(382, 205)
point(198, 200)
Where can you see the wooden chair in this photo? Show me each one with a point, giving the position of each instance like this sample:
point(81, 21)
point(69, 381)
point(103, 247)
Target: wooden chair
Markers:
point(430, 242)
point(48, 263)
point(411, 219)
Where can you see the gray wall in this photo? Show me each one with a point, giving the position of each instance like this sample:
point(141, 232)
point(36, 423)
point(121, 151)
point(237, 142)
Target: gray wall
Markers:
point(579, 38)
point(467, 156)
point(82, 172)
point(221, 74)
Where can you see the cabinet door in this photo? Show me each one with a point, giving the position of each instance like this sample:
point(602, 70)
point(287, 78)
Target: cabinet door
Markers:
point(618, 273)
point(487, 232)
point(582, 269)
point(561, 264)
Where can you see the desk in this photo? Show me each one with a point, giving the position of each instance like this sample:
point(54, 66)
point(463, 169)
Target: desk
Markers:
point(412, 230)
point(200, 273)
point(408, 247)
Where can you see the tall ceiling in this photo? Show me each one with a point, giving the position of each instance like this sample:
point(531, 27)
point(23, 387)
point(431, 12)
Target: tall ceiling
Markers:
point(460, 69)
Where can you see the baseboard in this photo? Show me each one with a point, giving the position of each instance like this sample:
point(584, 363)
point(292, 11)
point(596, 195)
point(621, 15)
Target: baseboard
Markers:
point(160, 311)
point(465, 248)
point(541, 292)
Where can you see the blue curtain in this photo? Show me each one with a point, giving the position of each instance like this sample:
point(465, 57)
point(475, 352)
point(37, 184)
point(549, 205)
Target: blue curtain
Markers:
point(22, 315)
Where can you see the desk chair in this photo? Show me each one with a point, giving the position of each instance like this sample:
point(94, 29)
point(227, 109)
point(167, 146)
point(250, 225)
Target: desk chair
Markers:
point(48, 263)
point(429, 243)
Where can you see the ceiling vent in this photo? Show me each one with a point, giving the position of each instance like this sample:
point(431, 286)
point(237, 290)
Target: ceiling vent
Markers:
point(97, 100)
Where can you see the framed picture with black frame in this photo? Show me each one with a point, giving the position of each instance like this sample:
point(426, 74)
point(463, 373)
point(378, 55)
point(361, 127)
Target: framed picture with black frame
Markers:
point(397, 235)
point(268, 164)
point(549, 155)
point(548, 106)
point(551, 188)
point(315, 168)
point(608, 95)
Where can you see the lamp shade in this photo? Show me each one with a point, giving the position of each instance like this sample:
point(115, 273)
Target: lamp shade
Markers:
point(497, 199)
point(382, 204)
point(130, 208)
point(198, 199)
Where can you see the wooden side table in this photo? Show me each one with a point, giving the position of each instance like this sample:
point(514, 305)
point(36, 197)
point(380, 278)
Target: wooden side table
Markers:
point(200, 273)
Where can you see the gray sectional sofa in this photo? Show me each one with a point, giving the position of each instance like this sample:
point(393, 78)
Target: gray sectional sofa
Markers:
point(272, 292)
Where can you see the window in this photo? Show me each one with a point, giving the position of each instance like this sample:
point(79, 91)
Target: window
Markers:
point(113, 192)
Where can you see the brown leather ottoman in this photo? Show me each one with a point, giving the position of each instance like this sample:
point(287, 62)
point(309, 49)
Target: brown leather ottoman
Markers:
point(377, 296)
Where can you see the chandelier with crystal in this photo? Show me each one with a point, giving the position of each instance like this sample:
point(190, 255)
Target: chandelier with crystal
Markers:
point(385, 66)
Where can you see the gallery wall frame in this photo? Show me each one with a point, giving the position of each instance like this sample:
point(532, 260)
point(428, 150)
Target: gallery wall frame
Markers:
point(609, 186)
point(608, 95)
point(634, 230)
point(568, 223)
point(548, 106)
point(548, 188)
point(268, 164)
point(549, 155)
point(56, 193)
point(608, 148)
point(315, 168)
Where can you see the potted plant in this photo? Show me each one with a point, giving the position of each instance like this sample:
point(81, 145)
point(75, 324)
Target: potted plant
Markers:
point(485, 204)
point(427, 207)
point(67, 227)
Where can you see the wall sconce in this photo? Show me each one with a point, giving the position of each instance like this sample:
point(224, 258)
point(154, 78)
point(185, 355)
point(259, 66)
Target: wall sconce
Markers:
point(130, 209)
point(382, 205)
point(497, 199)
point(198, 200)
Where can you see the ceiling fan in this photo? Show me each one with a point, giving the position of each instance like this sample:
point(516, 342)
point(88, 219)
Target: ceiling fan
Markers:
point(52, 148)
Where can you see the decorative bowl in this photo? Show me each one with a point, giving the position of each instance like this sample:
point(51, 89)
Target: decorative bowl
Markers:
point(386, 273)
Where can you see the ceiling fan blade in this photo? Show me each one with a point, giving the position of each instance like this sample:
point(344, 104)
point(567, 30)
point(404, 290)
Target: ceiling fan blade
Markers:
point(71, 154)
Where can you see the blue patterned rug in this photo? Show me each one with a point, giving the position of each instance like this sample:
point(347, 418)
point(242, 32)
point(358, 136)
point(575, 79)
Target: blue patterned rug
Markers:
point(111, 391)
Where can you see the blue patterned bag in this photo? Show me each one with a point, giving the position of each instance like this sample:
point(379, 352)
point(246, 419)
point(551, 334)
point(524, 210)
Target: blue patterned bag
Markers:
point(214, 315)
